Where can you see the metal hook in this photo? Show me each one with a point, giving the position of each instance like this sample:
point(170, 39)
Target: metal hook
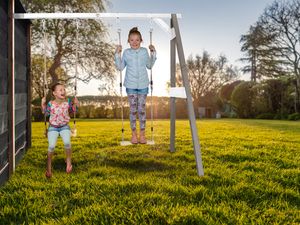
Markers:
point(43, 25)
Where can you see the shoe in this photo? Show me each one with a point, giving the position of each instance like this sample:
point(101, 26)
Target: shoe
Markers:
point(69, 169)
point(48, 174)
point(134, 139)
point(142, 137)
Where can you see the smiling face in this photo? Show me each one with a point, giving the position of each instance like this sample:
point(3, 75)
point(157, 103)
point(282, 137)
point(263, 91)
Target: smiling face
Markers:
point(134, 41)
point(59, 92)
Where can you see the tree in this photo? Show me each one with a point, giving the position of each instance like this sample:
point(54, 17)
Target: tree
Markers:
point(242, 99)
point(225, 96)
point(95, 55)
point(207, 75)
point(259, 53)
point(282, 21)
point(37, 71)
point(278, 94)
point(226, 91)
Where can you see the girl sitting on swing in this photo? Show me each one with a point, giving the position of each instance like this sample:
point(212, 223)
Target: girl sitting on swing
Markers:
point(59, 109)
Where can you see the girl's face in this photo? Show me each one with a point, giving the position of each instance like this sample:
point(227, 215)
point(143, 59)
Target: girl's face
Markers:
point(59, 92)
point(134, 41)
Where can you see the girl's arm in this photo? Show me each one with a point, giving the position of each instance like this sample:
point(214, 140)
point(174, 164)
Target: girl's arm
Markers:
point(119, 61)
point(45, 108)
point(73, 105)
point(152, 58)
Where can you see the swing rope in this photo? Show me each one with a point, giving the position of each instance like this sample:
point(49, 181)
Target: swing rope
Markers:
point(121, 85)
point(76, 75)
point(45, 83)
point(151, 83)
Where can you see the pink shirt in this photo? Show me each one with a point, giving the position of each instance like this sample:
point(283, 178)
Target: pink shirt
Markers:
point(59, 113)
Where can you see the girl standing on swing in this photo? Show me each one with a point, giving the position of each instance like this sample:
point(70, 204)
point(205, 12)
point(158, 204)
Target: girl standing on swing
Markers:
point(136, 60)
point(59, 109)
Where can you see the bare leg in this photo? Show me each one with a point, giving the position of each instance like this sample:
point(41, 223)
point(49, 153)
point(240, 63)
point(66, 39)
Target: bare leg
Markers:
point(66, 136)
point(52, 138)
point(49, 164)
point(69, 160)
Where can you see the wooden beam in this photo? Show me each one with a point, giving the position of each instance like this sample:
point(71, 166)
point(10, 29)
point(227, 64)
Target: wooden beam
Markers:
point(29, 85)
point(11, 87)
point(186, 84)
point(172, 100)
point(32, 16)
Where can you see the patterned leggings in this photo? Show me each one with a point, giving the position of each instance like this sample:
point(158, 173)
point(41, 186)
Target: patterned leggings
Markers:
point(137, 104)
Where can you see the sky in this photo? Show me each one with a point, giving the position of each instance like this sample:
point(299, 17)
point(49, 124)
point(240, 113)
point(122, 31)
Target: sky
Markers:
point(211, 25)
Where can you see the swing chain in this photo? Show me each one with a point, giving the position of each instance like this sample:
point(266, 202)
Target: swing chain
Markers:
point(45, 83)
point(121, 85)
point(45, 57)
point(151, 79)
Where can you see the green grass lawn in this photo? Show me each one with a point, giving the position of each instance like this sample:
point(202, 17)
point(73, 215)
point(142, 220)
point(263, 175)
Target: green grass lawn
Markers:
point(252, 176)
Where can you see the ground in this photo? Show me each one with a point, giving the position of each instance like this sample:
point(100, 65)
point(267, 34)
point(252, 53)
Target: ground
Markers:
point(252, 176)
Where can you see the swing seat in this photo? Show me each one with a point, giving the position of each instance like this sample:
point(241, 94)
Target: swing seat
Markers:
point(125, 143)
point(74, 132)
point(46, 133)
point(150, 142)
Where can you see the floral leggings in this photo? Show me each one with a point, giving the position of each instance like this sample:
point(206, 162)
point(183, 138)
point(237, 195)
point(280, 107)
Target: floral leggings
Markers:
point(137, 104)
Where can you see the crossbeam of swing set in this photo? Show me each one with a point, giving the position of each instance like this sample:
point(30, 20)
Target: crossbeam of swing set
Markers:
point(156, 17)
point(32, 16)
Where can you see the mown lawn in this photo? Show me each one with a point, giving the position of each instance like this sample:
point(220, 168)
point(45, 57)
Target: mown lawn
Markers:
point(252, 176)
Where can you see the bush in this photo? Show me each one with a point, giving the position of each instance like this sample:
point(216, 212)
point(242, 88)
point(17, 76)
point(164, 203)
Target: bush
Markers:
point(281, 116)
point(37, 114)
point(266, 116)
point(228, 115)
point(294, 116)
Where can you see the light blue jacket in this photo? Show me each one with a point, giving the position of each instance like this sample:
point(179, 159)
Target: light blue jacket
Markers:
point(137, 62)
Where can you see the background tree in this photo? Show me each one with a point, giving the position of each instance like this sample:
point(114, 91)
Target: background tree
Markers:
point(259, 54)
point(282, 20)
point(37, 71)
point(242, 99)
point(207, 75)
point(278, 96)
point(225, 96)
point(95, 54)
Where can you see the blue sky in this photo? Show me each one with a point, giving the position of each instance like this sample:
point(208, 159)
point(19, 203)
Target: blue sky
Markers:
point(212, 25)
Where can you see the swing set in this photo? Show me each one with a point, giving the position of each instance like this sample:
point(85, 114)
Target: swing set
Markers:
point(175, 92)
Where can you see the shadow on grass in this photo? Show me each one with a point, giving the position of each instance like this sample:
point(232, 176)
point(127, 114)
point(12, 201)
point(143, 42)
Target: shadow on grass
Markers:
point(142, 165)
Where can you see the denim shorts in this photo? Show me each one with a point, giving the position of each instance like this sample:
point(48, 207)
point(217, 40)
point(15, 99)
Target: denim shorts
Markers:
point(59, 129)
point(143, 91)
point(54, 132)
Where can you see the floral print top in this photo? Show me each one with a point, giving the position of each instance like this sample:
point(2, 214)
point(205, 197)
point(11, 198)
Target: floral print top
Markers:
point(59, 112)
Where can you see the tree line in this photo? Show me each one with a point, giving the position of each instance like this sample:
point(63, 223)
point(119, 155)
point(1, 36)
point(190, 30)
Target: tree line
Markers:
point(272, 58)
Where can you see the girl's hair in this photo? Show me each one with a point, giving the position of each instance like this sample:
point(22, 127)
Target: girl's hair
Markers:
point(55, 85)
point(135, 30)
